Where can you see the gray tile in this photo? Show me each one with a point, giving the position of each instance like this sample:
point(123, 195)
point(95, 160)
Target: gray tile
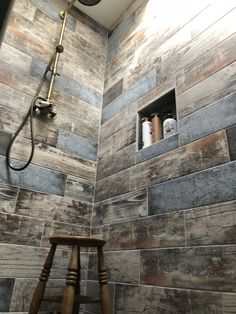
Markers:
point(6, 287)
point(158, 148)
point(209, 268)
point(113, 92)
point(33, 178)
point(151, 300)
point(22, 261)
point(121, 208)
point(79, 189)
point(77, 145)
point(149, 232)
point(210, 186)
point(122, 266)
point(143, 86)
point(231, 136)
point(16, 229)
point(229, 303)
point(93, 290)
point(4, 141)
point(8, 195)
point(54, 229)
point(211, 225)
point(214, 117)
point(62, 209)
point(24, 289)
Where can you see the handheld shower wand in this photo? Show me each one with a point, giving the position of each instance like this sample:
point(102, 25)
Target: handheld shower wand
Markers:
point(44, 105)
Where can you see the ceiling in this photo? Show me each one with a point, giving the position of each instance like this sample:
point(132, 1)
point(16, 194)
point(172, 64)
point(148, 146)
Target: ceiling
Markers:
point(107, 12)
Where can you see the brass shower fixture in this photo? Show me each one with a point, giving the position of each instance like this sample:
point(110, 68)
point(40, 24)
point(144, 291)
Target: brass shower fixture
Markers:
point(46, 105)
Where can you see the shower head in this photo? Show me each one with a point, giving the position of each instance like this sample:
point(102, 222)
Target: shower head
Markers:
point(89, 2)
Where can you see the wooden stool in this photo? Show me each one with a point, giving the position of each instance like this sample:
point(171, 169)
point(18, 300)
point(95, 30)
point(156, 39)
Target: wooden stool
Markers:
point(72, 299)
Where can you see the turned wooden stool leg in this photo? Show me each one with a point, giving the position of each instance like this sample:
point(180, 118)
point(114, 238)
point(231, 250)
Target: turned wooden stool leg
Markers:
point(71, 279)
point(104, 289)
point(40, 289)
point(77, 287)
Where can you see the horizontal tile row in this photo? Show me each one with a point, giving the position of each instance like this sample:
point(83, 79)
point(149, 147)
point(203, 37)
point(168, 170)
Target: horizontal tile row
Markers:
point(157, 149)
point(187, 159)
point(141, 299)
point(207, 91)
point(214, 117)
point(24, 230)
point(203, 188)
point(34, 177)
point(203, 268)
point(206, 225)
point(52, 207)
point(21, 261)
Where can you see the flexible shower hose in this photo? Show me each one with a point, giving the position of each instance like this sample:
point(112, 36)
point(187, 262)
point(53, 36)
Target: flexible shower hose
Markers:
point(23, 123)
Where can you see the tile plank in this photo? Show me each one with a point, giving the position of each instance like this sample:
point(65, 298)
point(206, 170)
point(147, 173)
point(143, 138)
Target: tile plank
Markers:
point(210, 186)
point(205, 268)
point(212, 224)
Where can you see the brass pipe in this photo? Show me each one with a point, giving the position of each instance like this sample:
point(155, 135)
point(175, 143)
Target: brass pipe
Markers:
point(59, 50)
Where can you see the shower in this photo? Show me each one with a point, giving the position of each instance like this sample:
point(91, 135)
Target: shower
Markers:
point(44, 105)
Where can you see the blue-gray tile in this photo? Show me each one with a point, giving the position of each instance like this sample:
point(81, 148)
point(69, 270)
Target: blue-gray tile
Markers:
point(217, 116)
point(68, 85)
point(81, 91)
point(210, 186)
point(77, 145)
point(158, 148)
point(52, 10)
point(4, 141)
point(231, 137)
point(6, 288)
point(33, 178)
point(142, 87)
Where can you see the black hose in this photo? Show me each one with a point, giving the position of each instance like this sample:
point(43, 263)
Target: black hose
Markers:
point(29, 114)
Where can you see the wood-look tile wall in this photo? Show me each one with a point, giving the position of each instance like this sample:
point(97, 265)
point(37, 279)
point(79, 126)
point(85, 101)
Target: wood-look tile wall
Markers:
point(168, 212)
point(55, 194)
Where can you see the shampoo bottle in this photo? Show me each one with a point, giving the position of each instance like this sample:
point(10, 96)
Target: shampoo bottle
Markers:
point(169, 126)
point(146, 132)
point(156, 128)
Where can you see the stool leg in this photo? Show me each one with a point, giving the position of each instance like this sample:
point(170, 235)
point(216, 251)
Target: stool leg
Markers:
point(104, 290)
point(71, 279)
point(40, 289)
point(77, 287)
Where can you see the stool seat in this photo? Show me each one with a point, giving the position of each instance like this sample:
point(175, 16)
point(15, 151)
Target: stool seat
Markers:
point(81, 241)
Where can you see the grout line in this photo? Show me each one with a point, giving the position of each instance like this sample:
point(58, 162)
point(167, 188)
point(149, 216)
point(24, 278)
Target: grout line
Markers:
point(227, 144)
point(185, 229)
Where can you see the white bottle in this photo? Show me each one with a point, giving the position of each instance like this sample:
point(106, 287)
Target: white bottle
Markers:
point(146, 132)
point(169, 126)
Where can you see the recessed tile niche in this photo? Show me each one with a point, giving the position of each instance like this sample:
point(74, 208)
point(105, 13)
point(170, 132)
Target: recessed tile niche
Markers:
point(161, 106)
